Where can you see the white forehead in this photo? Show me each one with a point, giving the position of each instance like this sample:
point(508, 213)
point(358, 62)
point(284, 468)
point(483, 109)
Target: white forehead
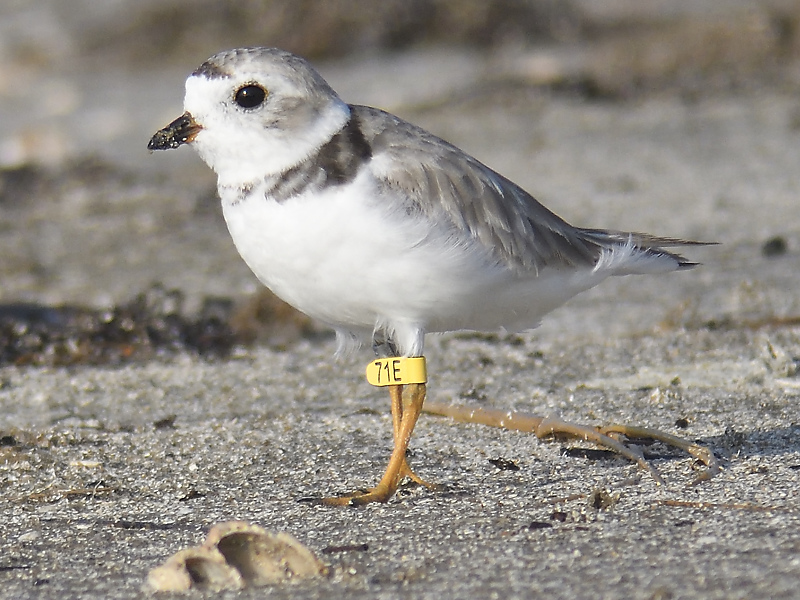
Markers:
point(217, 79)
point(203, 95)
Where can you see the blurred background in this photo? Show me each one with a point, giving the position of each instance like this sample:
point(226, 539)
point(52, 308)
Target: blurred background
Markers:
point(80, 76)
point(678, 117)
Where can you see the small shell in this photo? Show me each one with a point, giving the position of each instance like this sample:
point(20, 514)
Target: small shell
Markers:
point(194, 566)
point(234, 555)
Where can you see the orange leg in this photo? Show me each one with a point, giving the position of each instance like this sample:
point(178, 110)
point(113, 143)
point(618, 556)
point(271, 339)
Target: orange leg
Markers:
point(398, 410)
point(407, 404)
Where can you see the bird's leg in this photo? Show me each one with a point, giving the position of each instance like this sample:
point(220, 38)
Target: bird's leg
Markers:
point(607, 437)
point(399, 400)
point(396, 395)
point(407, 401)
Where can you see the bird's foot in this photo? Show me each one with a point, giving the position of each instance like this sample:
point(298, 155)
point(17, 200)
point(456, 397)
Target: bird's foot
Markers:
point(607, 437)
point(701, 453)
point(380, 493)
point(407, 400)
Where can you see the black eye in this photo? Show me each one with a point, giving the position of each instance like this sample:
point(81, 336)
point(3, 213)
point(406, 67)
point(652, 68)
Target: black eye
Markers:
point(250, 95)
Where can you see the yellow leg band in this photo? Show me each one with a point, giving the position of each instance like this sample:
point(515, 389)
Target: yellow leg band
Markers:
point(397, 371)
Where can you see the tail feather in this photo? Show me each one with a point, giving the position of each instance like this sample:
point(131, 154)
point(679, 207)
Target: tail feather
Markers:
point(632, 252)
point(641, 240)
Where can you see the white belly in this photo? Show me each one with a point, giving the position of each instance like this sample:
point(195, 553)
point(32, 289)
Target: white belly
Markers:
point(353, 260)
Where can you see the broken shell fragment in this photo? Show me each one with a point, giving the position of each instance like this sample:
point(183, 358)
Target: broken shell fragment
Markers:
point(236, 554)
point(194, 566)
point(260, 556)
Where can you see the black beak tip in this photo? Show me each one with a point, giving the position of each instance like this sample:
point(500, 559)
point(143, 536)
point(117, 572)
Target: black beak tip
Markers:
point(163, 139)
point(181, 131)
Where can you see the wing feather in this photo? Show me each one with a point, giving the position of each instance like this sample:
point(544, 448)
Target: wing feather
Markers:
point(445, 184)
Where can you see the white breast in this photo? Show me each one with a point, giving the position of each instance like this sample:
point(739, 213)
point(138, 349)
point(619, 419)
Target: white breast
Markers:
point(345, 256)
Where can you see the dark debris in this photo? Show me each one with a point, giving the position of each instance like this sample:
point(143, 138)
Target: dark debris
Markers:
point(27, 183)
point(152, 324)
point(535, 525)
point(345, 548)
point(775, 246)
point(165, 423)
point(601, 500)
point(8, 440)
point(504, 464)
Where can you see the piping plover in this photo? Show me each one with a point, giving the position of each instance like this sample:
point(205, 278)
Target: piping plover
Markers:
point(379, 228)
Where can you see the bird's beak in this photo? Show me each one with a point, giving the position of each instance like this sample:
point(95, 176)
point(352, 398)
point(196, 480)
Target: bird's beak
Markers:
point(181, 131)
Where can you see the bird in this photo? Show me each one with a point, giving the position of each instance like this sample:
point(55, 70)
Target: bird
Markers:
point(384, 231)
